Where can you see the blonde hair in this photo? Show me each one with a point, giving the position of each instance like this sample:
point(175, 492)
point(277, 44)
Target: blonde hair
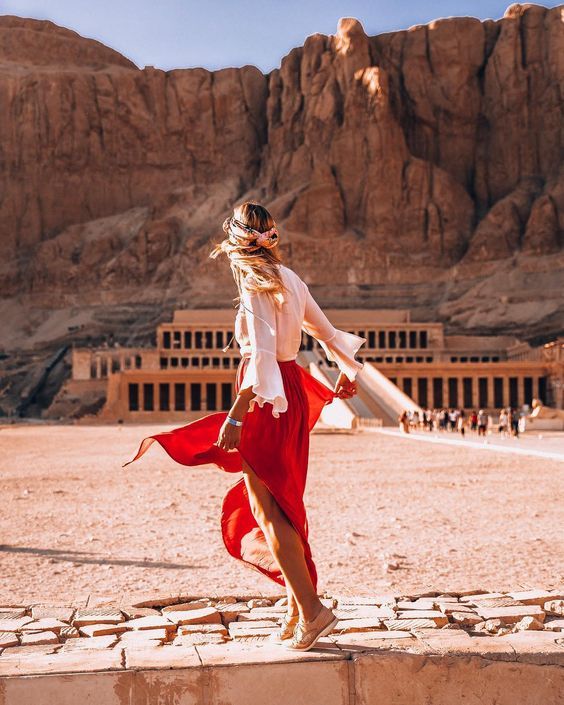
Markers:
point(256, 269)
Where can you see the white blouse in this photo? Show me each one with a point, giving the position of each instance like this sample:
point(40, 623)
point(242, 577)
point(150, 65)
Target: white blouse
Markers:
point(267, 332)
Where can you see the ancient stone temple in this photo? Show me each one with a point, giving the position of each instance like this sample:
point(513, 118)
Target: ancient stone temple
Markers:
point(407, 363)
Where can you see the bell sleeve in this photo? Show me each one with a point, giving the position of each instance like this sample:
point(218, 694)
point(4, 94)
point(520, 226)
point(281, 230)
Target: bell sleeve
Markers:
point(339, 345)
point(263, 372)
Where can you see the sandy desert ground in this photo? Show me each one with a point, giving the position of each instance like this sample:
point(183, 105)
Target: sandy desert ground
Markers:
point(385, 513)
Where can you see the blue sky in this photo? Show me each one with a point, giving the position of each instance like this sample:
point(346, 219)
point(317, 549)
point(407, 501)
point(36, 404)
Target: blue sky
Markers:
point(219, 33)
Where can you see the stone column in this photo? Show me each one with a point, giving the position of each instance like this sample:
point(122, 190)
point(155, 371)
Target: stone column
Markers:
point(490, 392)
point(415, 389)
point(475, 391)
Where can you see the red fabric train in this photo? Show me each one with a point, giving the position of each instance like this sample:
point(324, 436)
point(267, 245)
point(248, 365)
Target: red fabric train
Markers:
point(277, 449)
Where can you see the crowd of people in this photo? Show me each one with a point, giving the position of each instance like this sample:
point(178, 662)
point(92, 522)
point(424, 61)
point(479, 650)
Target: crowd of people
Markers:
point(460, 421)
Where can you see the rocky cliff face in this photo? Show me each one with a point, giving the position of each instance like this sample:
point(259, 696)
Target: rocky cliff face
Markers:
point(420, 169)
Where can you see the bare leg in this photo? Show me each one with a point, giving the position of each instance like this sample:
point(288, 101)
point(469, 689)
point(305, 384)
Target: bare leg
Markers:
point(285, 545)
point(292, 604)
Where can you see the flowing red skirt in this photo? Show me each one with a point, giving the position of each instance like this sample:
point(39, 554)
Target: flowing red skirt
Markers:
point(277, 449)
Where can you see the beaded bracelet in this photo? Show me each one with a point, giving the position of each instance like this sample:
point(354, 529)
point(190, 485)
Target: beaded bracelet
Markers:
point(233, 421)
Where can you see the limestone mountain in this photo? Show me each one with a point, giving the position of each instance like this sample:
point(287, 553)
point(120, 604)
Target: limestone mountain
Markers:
point(418, 168)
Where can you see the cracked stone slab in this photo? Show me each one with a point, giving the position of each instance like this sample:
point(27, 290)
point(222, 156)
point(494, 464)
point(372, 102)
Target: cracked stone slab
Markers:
point(357, 625)
point(359, 642)
point(131, 612)
point(91, 643)
point(230, 612)
point(249, 630)
point(208, 615)
point(497, 602)
point(69, 633)
point(470, 597)
point(143, 635)
point(510, 615)
point(437, 616)
point(466, 619)
point(93, 630)
point(234, 653)
point(451, 607)
point(263, 613)
point(199, 639)
point(78, 661)
point(98, 615)
point(45, 624)
point(202, 629)
point(536, 597)
point(421, 604)
point(150, 623)
point(541, 648)
point(12, 612)
point(554, 607)
point(375, 600)
point(38, 638)
point(63, 614)
point(167, 656)
point(409, 624)
point(364, 612)
point(10, 623)
point(186, 606)
point(8, 639)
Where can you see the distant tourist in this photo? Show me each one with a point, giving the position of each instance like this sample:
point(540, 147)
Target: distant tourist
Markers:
point(403, 420)
point(460, 422)
point(443, 419)
point(513, 422)
point(503, 422)
point(473, 420)
point(482, 420)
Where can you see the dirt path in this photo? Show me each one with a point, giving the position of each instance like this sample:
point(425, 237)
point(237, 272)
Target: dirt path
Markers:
point(384, 513)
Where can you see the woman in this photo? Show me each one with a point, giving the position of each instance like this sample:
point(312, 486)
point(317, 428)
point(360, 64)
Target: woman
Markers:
point(266, 432)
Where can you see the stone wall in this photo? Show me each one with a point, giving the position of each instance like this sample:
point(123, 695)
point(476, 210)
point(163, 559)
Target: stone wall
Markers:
point(426, 649)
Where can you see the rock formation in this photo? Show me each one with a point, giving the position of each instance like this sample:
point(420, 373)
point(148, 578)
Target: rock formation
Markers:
point(419, 168)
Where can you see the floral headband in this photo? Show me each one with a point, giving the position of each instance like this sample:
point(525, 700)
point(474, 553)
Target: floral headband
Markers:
point(248, 238)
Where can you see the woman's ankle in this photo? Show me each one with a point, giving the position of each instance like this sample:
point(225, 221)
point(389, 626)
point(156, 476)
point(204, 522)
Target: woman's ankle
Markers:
point(309, 612)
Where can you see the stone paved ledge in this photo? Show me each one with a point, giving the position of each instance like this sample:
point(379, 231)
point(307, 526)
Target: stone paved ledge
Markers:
point(184, 639)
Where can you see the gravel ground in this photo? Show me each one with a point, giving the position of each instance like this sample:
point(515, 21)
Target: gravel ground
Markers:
point(384, 512)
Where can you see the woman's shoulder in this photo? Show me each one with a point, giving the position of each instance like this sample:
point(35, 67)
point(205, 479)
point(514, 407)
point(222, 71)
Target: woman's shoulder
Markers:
point(291, 274)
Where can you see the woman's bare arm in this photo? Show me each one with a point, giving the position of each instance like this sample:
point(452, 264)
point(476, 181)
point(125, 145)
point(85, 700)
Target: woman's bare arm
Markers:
point(230, 435)
point(241, 404)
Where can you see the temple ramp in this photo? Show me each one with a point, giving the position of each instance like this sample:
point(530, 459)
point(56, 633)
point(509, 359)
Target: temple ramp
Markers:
point(382, 394)
point(378, 398)
point(341, 413)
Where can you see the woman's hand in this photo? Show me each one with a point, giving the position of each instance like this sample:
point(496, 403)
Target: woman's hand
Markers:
point(344, 388)
point(229, 436)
